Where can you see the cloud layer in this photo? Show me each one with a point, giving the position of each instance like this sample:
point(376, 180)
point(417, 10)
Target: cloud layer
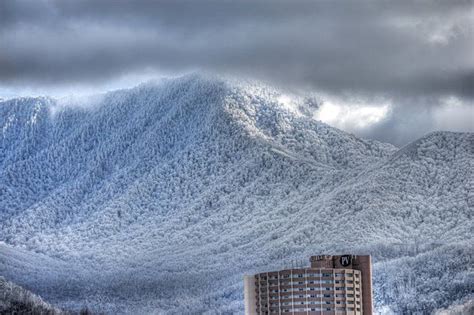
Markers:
point(420, 51)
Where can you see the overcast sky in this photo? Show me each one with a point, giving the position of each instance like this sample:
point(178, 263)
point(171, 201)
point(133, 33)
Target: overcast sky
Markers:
point(388, 70)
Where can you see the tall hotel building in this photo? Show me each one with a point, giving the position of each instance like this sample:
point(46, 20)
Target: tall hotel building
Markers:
point(332, 285)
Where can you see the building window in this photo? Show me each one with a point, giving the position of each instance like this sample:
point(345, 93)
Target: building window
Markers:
point(314, 275)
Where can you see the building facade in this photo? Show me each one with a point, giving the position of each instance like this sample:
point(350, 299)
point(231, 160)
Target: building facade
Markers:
point(332, 285)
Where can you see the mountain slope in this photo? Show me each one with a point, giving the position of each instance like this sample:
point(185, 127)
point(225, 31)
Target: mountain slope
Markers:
point(16, 300)
point(188, 183)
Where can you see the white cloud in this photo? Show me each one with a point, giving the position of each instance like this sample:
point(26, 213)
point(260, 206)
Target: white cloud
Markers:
point(454, 115)
point(80, 90)
point(352, 115)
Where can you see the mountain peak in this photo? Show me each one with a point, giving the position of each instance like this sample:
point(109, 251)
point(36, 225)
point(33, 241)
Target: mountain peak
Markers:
point(439, 145)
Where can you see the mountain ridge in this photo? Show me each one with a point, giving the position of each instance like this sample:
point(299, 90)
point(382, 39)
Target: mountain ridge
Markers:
point(173, 180)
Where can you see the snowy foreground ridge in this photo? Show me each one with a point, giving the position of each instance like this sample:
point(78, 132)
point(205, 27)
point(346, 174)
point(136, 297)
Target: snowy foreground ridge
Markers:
point(159, 198)
point(16, 300)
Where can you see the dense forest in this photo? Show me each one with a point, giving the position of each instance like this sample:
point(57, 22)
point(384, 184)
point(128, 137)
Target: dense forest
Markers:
point(160, 198)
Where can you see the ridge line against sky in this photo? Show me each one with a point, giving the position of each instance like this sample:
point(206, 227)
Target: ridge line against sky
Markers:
point(386, 70)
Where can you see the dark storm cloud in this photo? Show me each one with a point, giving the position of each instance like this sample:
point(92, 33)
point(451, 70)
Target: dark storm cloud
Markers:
point(397, 49)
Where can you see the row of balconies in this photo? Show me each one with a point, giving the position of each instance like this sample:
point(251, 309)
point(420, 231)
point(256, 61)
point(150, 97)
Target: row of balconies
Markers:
point(299, 283)
point(307, 309)
point(330, 294)
point(309, 292)
point(304, 288)
point(307, 275)
point(318, 300)
point(309, 302)
point(296, 296)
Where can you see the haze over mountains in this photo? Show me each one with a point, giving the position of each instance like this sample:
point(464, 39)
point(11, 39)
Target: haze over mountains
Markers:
point(159, 198)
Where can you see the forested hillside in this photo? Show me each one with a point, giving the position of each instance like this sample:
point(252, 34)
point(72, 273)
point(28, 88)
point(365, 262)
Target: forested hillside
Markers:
point(17, 300)
point(159, 198)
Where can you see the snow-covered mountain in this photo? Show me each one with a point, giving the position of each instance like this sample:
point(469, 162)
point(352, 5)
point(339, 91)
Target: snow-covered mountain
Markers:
point(160, 198)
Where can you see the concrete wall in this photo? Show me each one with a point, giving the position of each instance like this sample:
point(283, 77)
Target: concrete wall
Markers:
point(249, 295)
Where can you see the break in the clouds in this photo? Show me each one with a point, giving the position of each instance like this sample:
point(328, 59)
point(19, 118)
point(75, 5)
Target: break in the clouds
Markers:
point(414, 56)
